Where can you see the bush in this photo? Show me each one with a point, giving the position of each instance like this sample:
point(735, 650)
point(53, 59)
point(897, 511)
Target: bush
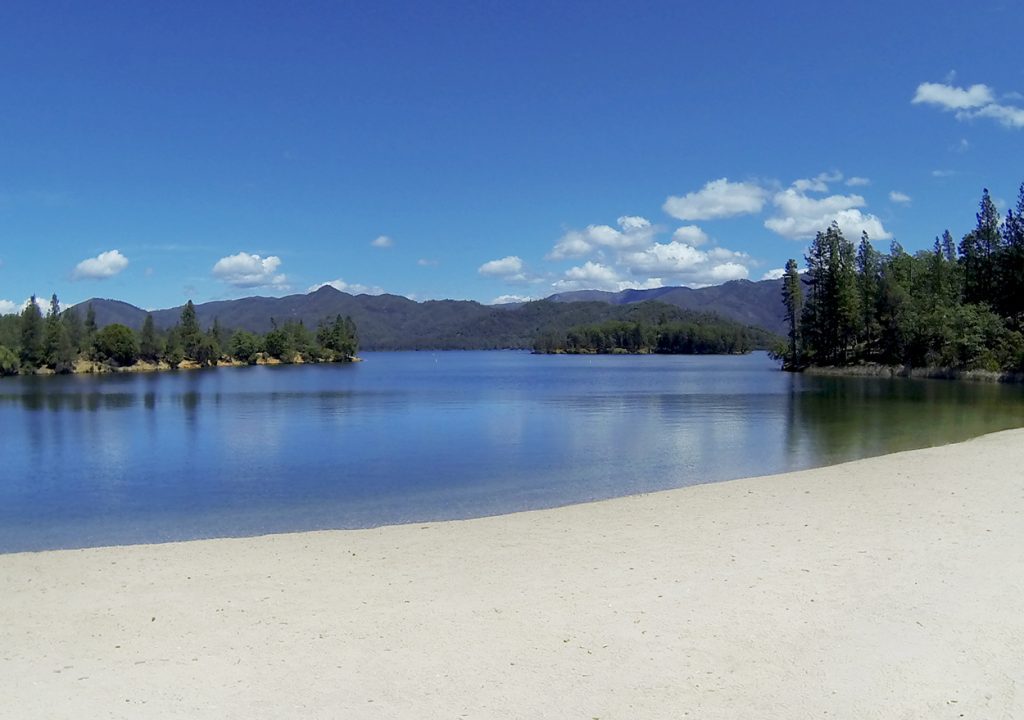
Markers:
point(8, 362)
point(117, 343)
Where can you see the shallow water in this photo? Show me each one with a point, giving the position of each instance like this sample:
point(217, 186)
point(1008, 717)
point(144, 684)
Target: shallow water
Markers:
point(406, 437)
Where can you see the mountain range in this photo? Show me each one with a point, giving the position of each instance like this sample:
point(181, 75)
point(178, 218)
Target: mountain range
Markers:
point(392, 322)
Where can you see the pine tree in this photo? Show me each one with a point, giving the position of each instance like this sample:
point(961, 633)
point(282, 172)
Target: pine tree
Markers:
point(191, 334)
point(792, 298)
point(32, 355)
point(57, 348)
point(868, 268)
point(88, 343)
point(149, 344)
point(1013, 263)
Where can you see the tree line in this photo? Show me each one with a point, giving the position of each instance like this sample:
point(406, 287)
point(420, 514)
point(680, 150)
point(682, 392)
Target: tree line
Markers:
point(58, 341)
point(958, 305)
point(708, 335)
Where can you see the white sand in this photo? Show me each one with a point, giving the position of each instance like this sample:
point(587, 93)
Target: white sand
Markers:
point(885, 588)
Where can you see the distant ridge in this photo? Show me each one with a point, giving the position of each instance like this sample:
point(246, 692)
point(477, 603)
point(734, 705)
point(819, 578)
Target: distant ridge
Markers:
point(751, 303)
point(392, 322)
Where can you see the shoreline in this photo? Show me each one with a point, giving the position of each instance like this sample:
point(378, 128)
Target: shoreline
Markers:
point(885, 587)
point(916, 373)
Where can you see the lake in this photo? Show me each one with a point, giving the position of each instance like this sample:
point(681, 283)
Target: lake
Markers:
point(415, 437)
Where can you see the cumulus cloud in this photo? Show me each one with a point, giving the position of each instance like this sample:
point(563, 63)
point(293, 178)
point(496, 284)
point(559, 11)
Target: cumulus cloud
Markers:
point(799, 216)
point(774, 274)
point(249, 271)
point(350, 288)
point(950, 97)
point(631, 257)
point(819, 183)
point(382, 241)
point(976, 101)
point(598, 276)
point(717, 199)
point(510, 265)
point(671, 258)
point(858, 181)
point(1008, 115)
point(899, 197)
point(691, 235)
point(8, 307)
point(676, 263)
point(633, 231)
point(106, 264)
point(507, 299)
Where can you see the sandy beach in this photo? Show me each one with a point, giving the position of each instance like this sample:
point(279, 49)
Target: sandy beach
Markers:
point(891, 587)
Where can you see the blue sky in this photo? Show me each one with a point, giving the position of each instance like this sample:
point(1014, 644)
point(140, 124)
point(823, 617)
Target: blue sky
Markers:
point(154, 153)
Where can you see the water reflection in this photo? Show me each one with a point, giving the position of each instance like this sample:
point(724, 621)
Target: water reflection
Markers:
point(411, 436)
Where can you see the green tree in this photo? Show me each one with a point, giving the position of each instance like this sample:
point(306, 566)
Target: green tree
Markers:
point(57, 348)
point(9, 363)
point(149, 343)
point(32, 350)
point(117, 343)
point(245, 346)
point(174, 352)
point(90, 331)
point(191, 334)
point(1012, 305)
point(793, 299)
point(868, 269)
point(75, 329)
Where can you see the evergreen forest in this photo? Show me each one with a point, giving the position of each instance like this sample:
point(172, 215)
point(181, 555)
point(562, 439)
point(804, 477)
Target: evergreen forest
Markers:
point(64, 342)
point(957, 306)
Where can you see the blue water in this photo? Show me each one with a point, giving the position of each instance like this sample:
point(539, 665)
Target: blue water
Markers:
point(408, 437)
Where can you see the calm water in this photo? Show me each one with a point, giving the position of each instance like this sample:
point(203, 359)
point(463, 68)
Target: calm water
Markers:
point(409, 437)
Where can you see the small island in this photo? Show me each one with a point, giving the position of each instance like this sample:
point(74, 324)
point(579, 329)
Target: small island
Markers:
point(63, 343)
point(694, 334)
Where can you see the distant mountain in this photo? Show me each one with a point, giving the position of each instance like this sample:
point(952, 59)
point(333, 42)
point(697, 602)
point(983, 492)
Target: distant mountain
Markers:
point(391, 322)
point(751, 303)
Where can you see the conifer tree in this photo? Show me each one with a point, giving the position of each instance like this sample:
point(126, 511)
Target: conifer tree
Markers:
point(792, 298)
point(149, 344)
point(32, 354)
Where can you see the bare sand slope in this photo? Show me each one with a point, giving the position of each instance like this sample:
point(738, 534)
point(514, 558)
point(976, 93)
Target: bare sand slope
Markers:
point(885, 588)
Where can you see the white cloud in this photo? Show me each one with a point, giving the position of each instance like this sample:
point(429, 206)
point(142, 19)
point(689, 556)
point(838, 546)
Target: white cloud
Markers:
point(899, 197)
point(506, 299)
point(977, 101)
point(249, 271)
point(8, 307)
point(1008, 115)
point(597, 276)
point(382, 241)
point(858, 181)
point(633, 231)
point(799, 216)
point(676, 263)
point(510, 265)
point(774, 274)
point(350, 288)
point(943, 173)
point(950, 97)
point(671, 258)
point(691, 235)
point(717, 199)
point(106, 264)
point(427, 262)
point(819, 183)
point(727, 271)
